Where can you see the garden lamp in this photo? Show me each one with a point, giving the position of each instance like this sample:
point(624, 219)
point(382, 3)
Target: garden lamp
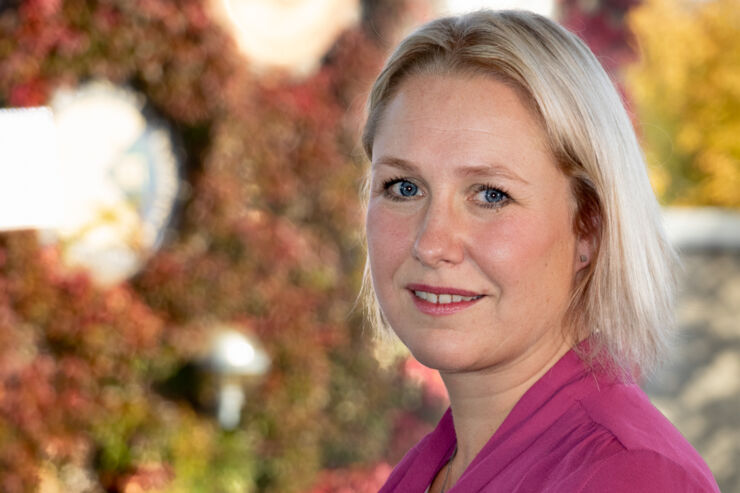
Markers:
point(237, 360)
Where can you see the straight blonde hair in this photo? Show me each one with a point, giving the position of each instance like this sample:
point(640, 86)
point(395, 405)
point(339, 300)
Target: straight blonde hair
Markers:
point(624, 302)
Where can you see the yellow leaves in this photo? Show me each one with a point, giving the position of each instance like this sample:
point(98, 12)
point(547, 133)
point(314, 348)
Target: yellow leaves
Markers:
point(723, 182)
point(689, 138)
point(660, 178)
point(687, 84)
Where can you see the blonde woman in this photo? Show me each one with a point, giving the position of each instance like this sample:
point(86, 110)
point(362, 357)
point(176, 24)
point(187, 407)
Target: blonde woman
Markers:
point(515, 246)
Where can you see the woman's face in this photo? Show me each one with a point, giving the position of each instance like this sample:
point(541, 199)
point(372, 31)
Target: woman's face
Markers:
point(469, 226)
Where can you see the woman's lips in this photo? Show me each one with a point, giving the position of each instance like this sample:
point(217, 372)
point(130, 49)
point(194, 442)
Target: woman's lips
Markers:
point(434, 300)
point(441, 290)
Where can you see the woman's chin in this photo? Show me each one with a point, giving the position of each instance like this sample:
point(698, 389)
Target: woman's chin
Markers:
point(443, 359)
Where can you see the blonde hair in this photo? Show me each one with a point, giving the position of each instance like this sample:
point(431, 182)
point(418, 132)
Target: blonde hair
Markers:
point(625, 299)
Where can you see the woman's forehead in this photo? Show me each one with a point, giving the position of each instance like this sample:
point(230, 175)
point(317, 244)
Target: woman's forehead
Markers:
point(457, 114)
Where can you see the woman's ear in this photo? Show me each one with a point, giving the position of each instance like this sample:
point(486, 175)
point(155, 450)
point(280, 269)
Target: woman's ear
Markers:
point(587, 226)
point(587, 244)
point(584, 252)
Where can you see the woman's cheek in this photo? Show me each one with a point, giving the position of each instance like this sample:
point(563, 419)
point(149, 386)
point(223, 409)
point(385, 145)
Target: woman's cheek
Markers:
point(499, 241)
point(386, 227)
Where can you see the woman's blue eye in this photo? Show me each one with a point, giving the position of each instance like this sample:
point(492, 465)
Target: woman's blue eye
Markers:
point(405, 188)
point(493, 196)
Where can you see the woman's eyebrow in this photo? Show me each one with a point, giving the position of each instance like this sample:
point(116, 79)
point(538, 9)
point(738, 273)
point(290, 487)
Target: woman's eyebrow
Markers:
point(490, 171)
point(493, 170)
point(396, 162)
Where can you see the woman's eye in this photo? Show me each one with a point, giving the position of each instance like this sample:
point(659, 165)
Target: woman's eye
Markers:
point(491, 197)
point(401, 188)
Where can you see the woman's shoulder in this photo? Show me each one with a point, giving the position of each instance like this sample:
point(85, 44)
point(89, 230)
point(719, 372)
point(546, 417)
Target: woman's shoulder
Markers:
point(650, 452)
point(579, 427)
point(638, 471)
point(626, 412)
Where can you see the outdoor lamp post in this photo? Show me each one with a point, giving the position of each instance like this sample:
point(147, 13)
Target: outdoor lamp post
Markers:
point(237, 360)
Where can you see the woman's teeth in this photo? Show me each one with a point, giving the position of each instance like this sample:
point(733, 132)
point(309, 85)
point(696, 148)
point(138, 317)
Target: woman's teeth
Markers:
point(443, 299)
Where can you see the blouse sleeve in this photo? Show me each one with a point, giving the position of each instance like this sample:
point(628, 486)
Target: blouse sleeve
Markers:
point(645, 471)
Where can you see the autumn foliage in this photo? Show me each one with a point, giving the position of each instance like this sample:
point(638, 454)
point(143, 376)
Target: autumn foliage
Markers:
point(97, 391)
point(687, 94)
point(91, 380)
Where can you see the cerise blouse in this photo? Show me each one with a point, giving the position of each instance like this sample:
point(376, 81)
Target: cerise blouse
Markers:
point(577, 429)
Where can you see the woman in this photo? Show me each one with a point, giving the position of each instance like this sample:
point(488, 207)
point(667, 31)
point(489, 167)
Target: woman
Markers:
point(515, 245)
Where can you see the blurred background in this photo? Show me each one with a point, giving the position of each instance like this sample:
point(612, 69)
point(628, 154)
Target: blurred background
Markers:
point(181, 250)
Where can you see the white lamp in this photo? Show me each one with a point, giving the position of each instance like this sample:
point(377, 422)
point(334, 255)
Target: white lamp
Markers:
point(236, 359)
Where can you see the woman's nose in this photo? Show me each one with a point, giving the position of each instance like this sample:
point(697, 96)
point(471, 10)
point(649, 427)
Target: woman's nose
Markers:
point(438, 240)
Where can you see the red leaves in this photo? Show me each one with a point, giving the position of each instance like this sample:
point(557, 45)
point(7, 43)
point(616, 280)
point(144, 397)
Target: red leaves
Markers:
point(354, 480)
point(31, 93)
point(63, 342)
point(604, 28)
point(41, 400)
point(268, 238)
point(39, 10)
point(146, 477)
point(429, 380)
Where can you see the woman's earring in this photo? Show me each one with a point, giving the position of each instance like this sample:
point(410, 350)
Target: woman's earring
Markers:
point(583, 258)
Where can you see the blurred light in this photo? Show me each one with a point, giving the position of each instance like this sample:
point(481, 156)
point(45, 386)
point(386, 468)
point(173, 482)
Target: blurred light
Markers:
point(237, 360)
point(234, 353)
point(542, 7)
point(289, 34)
point(31, 182)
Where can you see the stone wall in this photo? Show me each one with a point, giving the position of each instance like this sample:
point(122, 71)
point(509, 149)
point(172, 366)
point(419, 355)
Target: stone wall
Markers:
point(699, 388)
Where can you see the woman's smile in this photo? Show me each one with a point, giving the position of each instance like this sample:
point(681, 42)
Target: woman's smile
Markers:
point(433, 300)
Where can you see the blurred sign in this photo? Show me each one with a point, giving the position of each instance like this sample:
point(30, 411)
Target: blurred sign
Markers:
point(30, 177)
point(121, 178)
point(288, 34)
point(94, 172)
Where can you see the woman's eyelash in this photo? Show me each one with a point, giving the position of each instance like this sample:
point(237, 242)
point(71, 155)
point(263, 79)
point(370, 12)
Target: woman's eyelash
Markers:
point(392, 181)
point(411, 188)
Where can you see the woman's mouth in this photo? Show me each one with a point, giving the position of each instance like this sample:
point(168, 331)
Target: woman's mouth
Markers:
point(444, 298)
point(441, 301)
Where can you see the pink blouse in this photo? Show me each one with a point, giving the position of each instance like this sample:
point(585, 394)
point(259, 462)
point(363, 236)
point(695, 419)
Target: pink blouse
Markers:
point(575, 430)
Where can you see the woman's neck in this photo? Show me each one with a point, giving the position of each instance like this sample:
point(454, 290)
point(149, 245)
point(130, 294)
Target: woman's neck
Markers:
point(481, 401)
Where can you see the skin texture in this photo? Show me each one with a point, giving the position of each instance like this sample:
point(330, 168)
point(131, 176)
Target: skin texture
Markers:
point(466, 195)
